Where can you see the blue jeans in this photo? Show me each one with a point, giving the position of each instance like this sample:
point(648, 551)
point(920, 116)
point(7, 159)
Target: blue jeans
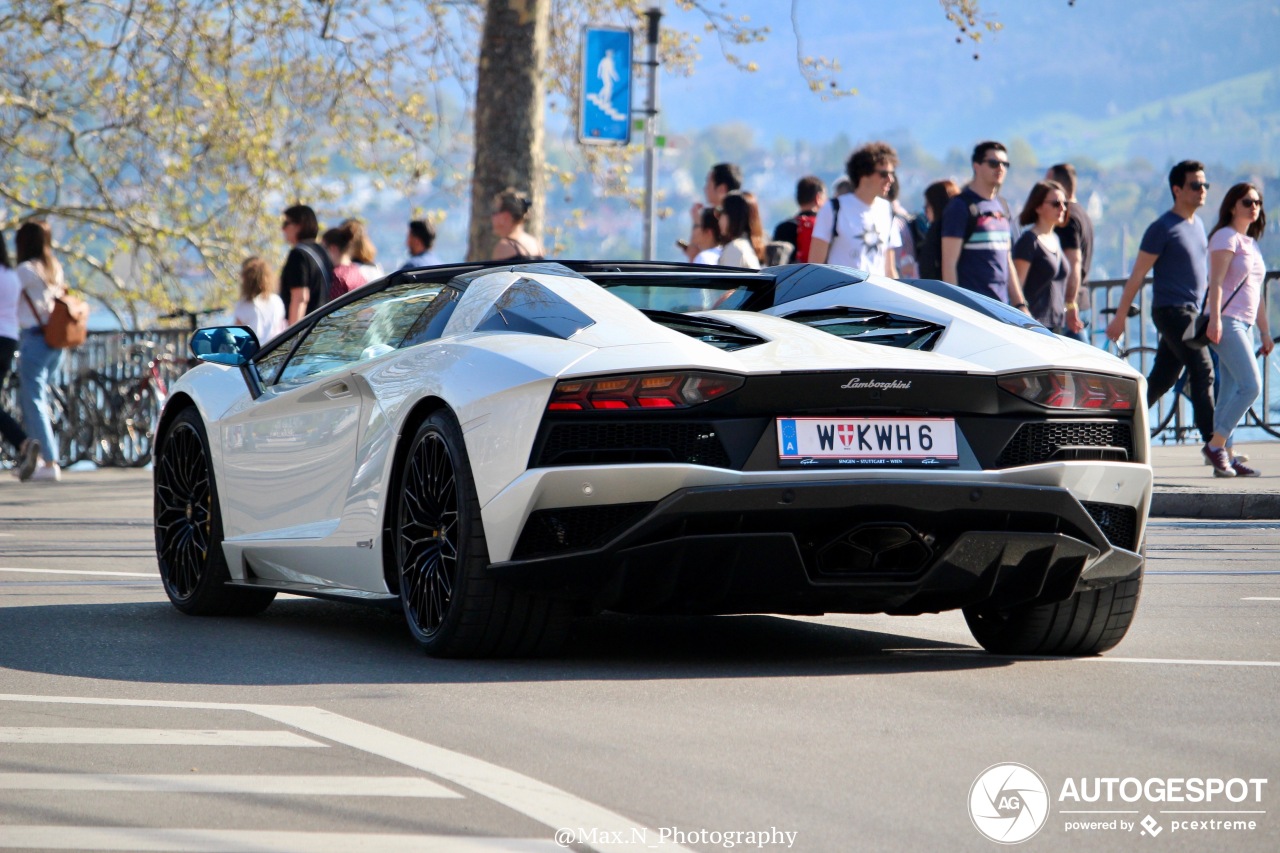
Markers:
point(1239, 381)
point(36, 364)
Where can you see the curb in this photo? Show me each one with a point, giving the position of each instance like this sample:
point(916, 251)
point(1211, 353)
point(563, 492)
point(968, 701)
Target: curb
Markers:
point(1217, 505)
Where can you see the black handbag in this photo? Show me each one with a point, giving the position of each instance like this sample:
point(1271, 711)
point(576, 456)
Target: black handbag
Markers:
point(1196, 335)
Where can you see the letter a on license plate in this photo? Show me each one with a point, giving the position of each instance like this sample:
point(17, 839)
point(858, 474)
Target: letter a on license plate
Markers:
point(831, 442)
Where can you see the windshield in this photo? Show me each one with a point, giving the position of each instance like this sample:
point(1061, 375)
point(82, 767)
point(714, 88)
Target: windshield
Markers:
point(681, 297)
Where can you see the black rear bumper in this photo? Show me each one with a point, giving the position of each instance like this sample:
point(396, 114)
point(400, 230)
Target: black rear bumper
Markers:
point(814, 547)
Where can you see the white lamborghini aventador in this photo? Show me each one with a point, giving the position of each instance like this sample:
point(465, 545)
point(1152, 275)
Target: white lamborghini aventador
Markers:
point(498, 449)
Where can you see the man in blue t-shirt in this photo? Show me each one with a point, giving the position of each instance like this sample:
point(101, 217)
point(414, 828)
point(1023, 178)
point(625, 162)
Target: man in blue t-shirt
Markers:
point(977, 231)
point(1175, 250)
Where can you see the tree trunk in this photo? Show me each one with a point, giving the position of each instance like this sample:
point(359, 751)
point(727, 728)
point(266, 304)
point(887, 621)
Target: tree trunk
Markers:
point(510, 98)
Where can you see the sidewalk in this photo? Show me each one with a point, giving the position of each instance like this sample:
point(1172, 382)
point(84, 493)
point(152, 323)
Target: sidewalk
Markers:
point(1186, 488)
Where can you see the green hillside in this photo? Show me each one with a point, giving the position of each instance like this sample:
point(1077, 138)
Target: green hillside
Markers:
point(1235, 121)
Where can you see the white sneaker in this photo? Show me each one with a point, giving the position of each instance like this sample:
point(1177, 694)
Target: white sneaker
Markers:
point(50, 472)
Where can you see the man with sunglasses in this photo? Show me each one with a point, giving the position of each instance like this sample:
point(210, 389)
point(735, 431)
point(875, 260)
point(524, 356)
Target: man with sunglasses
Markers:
point(1175, 250)
point(977, 231)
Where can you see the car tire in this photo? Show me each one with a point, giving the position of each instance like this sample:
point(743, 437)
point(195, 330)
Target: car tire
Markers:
point(452, 607)
point(1088, 623)
point(188, 528)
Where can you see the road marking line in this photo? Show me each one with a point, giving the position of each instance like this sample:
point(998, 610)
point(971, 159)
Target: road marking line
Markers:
point(1213, 573)
point(144, 840)
point(544, 803)
point(79, 572)
point(152, 737)
point(1260, 598)
point(1095, 659)
point(304, 786)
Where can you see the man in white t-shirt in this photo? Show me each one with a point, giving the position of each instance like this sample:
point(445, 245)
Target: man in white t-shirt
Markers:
point(856, 229)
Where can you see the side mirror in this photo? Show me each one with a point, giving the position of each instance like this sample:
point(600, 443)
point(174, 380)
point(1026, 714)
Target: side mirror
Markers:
point(229, 345)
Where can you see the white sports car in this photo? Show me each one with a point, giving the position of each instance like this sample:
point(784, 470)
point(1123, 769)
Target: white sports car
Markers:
point(497, 449)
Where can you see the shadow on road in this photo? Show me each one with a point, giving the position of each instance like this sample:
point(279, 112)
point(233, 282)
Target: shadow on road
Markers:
point(313, 642)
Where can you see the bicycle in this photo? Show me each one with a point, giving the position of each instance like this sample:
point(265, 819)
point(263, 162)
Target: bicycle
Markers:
point(1170, 405)
point(66, 417)
point(125, 410)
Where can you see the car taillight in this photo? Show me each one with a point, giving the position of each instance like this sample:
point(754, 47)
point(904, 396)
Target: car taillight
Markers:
point(678, 390)
point(1056, 389)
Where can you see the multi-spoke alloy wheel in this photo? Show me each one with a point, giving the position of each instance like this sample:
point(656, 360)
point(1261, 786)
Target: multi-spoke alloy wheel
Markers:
point(428, 534)
point(188, 527)
point(453, 606)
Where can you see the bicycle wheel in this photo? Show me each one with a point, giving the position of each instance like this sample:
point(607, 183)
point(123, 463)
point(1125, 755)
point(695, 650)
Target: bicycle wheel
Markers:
point(94, 397)
point(9, 402)
point(139, 414)
point(1259, 414)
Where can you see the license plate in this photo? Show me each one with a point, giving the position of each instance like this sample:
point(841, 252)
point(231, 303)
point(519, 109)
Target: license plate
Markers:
point(906, 442)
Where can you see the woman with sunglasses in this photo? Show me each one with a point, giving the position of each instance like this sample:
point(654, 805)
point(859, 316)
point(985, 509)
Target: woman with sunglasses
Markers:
point(1038, 256)
point(740, 232)
point(1236, 274)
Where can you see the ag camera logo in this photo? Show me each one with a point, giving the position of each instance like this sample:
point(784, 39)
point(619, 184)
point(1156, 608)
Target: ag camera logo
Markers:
point(1008, 803)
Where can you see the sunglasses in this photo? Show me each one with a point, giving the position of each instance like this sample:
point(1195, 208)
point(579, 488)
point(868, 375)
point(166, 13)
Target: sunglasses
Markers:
point(998, 164)
point(1251, 202)
point(1061, 205)
point(1198, 185)
point(886, 173)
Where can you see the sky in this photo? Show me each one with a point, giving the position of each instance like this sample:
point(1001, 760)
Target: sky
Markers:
point(1094, 59)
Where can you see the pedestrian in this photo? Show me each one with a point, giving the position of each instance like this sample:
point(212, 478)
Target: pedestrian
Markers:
point(1236, 276)
point(363, 253)
point(1039, 258)
point(904, 257)
point(514, 243)
point(856, 229)
point(347, 276)
point(705, 238)
point(736, 212)
point(40, 275)
point(26, 447)
point(977, 231)
point(811, 195)
point(260, 306)
point(307, 273)
point(1076, 236)
point(419, 240)
point(929, 250)
point(1175, 250)
point(722, 179)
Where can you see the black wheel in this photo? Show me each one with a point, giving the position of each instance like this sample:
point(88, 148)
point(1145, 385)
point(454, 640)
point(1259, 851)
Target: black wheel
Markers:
point(94, 402)
point(452, 608)
point(189, 528)
point(1087, 623)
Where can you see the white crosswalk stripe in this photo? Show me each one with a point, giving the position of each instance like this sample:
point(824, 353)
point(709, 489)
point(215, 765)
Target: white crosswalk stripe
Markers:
point(140, 840)
point(194, 783)
point(152, 737)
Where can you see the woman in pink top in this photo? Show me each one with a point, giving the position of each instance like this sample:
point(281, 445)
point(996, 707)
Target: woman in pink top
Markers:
point(1236, 273)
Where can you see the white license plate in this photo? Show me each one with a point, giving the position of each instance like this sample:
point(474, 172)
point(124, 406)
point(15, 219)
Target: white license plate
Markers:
point(907, 442)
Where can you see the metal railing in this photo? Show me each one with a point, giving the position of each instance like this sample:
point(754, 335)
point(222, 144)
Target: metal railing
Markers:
point(1173, 413)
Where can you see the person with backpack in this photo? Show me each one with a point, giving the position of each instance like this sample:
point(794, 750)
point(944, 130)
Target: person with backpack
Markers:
point(856, 229)
point(307, 273)
point(929, 252)
point(811, 195)
point(977, 231)
point(42, 283)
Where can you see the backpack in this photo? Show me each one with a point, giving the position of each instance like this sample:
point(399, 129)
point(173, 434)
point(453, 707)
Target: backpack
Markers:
point(804, 234)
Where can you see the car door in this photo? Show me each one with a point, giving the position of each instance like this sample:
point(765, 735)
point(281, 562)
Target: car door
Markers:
point(289, 456)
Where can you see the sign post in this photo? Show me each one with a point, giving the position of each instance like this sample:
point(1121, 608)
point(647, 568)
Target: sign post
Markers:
point(604, 87)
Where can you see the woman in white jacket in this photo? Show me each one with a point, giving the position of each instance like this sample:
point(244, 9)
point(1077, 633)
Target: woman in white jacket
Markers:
point(736, 212)
point(42, 283)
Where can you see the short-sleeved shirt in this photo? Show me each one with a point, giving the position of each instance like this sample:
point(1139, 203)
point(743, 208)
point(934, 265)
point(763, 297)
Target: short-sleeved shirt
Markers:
point(10, 296)
point(983, 266)
point(1045, 287)
point(265, 315)
point(863, 233)
point(1247, 271)
point(308, 266)
point(1077, 233)
point(1181, 272)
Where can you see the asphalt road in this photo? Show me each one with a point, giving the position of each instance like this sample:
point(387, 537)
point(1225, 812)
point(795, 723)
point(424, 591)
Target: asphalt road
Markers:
point(127, 726)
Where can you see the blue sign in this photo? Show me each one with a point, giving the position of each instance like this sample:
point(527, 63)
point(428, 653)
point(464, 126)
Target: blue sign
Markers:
point(604, 87)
